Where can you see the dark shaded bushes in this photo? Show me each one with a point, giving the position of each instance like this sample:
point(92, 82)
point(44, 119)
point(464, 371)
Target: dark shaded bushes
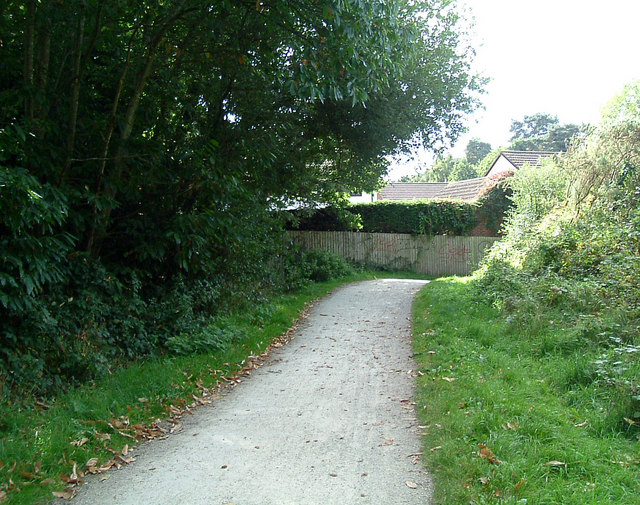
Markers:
point(430, 217)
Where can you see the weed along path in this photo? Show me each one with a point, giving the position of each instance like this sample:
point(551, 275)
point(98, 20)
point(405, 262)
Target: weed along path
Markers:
point(327, 420)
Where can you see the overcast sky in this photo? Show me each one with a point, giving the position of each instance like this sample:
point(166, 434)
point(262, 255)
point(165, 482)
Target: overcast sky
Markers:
point(562, 57)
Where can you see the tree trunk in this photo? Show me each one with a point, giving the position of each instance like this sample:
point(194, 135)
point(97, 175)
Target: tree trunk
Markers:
point(44, 55)
point(28, 57)
point(75, 96)
point(101, 221)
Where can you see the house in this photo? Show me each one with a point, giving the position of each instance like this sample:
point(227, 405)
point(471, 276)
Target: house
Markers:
point(362, 197)
point(468, 190)
point(509, 161)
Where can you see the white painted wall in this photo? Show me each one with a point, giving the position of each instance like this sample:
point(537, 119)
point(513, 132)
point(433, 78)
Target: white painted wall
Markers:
point(501, 165)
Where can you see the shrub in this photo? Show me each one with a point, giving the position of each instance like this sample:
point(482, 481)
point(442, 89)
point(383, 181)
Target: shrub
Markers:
point(301, 267)
point(430, 217)
point(211, 338)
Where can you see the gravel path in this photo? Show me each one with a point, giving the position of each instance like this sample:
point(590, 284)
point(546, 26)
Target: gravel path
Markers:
point(327, 420)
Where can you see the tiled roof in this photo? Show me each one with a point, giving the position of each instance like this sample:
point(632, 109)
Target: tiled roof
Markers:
point(457, 190)
point(463, 190)
point(520, 158)
point(411, 190)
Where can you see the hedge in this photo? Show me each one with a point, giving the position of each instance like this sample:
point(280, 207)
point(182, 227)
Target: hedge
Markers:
point(430, 217)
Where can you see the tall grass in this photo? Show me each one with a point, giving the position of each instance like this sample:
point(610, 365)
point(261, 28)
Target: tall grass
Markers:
point(514, 414)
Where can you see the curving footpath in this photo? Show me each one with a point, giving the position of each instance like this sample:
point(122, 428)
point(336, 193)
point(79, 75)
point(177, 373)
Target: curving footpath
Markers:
point(327, 420)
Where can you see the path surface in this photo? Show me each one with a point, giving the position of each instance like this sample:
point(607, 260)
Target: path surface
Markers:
point(328, 420)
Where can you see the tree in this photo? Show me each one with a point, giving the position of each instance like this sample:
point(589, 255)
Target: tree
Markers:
point(542, 132)
point(476, 150)
point(537, 125)
point(159, 137)
point(624, 106)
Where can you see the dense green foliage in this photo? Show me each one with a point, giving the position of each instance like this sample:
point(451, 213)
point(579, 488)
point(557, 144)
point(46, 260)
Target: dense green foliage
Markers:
point(427, 217)
point(567, 269)
point(145, 147)
point(430, 217)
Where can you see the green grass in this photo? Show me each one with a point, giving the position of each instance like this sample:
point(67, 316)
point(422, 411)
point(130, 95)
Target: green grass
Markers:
point(526, 394)
point(37, 440)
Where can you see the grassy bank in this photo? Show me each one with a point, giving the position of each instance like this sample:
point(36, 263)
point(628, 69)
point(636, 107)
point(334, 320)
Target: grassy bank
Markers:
point(47, 446)
point(513, 419)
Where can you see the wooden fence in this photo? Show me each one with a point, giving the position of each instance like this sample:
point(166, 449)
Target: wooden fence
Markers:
point(438, 256)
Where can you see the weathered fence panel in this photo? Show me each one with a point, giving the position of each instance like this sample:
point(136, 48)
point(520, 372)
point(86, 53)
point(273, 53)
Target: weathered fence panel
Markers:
point(439, 255)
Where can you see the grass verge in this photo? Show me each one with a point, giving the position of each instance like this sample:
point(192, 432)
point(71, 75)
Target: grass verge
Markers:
point(508, 419)
point(47, 447)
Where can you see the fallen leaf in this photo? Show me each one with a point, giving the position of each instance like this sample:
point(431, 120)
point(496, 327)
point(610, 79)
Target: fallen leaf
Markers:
point(554, 463)
point(91, 463)
point(333, 475)
point(510, 426)
point(448, 379)
point(631, 421)
point(436, 448)
point(485, 480)
point(143, 400)
point(103, 436)
point(520, 484)
point(73, 478)
point(116, 423)
point(411, 484)
point(125, 450)
point(37, 467)
point(47, 482)
point(126, 461)
point(581, 425)
point(67, 494)
point(80, 442)
point(103, 478)
point(3, 496)
point(487, 454)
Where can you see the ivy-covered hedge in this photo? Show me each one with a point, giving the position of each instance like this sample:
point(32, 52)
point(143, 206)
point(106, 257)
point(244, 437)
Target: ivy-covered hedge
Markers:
point(430, 217)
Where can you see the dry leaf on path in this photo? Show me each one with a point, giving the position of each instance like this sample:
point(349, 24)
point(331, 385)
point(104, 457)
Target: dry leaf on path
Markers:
point(91, 463)
point(411, 484)
point(67, 494)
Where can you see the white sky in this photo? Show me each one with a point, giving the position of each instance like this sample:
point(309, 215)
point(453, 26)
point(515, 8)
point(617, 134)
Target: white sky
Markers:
point(562, 57)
